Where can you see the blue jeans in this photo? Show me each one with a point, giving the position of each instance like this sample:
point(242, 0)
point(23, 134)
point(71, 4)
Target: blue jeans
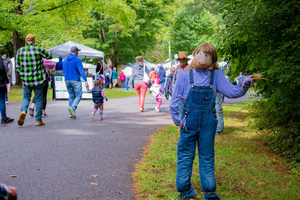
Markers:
point(127, 82)
point(219, 112)
point(38, 93)
point(75, 93)
point(122, 84)
point(2, 105)
point(6, 97)
point(200, 128)
point(162, 83)
point(107, 81)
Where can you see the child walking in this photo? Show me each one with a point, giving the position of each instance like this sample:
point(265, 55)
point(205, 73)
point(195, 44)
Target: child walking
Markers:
point(98, 97)
point(157, 91)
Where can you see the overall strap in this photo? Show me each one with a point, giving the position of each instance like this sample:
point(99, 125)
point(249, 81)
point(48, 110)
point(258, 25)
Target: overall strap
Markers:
point(212, 75)
point(191, 76)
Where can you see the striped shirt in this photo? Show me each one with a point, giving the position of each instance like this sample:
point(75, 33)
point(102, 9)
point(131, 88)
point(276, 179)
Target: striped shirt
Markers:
point(29, 64)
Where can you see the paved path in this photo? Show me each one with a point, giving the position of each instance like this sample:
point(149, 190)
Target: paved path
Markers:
point(57, 161)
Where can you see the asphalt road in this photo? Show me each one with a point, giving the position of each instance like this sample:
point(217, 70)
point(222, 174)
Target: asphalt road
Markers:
point(58, 161)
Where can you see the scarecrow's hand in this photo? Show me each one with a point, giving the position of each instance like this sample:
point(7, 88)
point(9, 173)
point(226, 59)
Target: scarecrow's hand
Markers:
point(257, 77)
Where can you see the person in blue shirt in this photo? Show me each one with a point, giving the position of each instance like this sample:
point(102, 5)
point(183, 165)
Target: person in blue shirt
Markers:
point(193, 109)
point(59, 64)
point(73, 70)
point(114, 77)
point(98, 97)
point(162, 74)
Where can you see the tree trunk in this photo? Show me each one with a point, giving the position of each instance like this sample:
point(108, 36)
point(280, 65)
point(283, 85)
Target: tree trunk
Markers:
point(18, 42)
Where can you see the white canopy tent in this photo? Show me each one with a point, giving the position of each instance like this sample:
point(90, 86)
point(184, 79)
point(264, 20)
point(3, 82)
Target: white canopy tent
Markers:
point(64, 49)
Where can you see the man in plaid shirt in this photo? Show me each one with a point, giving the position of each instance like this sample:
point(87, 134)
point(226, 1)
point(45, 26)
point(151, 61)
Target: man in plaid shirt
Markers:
point(33, 73)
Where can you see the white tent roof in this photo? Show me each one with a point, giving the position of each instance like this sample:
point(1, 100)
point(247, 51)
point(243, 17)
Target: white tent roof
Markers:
point(64, 49)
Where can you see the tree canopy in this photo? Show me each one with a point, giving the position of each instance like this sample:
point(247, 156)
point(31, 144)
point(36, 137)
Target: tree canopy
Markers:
point(254, 36)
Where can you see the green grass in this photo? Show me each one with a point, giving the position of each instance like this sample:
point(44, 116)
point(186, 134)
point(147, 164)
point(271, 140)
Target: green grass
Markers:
point(244, 167)
point(16, 93)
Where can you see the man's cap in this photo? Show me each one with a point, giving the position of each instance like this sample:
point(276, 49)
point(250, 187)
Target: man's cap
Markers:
point(74, 49)
point(30, 38)
point(127, 64)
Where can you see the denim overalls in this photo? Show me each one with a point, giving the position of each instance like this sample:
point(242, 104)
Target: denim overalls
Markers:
point(200, 128)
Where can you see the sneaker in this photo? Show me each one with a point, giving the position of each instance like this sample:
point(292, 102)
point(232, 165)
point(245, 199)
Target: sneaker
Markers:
point(218, 133)
point(141, 109)
point(71, 113)
point(44, 115)
point(156, 109)
point(22, 118)
point(31, 111)
point(101, 118)
point(92, 116)
point(6, 120)
point(6, 102)
point(41, 123)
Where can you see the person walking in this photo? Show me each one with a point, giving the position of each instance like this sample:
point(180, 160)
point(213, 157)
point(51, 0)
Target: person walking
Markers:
point(128, 73)
point(122, 79)
point(107, 74)
point(114, 77)
point(140, 76)
point(29, 65)
point(100, 69)
point(59, 65)
point(168, 86)
point(8, 67)
point(3, 89)
point(98, 97)
point(49, 65)
point(153, 75)
point(162, 74)
point(73, 69)
point(183, 59)
point(157, 91)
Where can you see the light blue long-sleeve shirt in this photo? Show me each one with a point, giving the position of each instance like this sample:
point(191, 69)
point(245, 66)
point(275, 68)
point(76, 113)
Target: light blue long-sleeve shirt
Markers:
point(202, 78)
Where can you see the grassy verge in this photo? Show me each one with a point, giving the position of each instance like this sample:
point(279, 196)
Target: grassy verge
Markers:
point(245, 169)
point(16, 93)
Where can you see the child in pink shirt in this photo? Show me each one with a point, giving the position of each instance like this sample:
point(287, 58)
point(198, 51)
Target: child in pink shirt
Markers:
point(157, 91)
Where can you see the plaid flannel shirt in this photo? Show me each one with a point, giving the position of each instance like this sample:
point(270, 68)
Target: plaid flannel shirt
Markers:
point(30, 64)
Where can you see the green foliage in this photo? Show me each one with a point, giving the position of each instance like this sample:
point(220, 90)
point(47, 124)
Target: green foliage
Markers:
point(57, 21)
point(263, 36)
point(193, 24)
point(244, 168)
point(123, 45)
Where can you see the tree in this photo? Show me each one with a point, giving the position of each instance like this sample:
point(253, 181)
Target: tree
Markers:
point(55, 21)
point(123, 45)
point(193, 24)
point(263, 36)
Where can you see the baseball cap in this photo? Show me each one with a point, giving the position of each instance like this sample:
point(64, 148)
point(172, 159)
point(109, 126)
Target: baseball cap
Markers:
point(74, 49)
point(30, 38)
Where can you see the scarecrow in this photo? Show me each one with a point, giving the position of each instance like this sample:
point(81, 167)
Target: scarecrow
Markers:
point(193, 109)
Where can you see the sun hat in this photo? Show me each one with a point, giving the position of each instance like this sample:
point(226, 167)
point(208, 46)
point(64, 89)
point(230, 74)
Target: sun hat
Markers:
point(182, 56)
